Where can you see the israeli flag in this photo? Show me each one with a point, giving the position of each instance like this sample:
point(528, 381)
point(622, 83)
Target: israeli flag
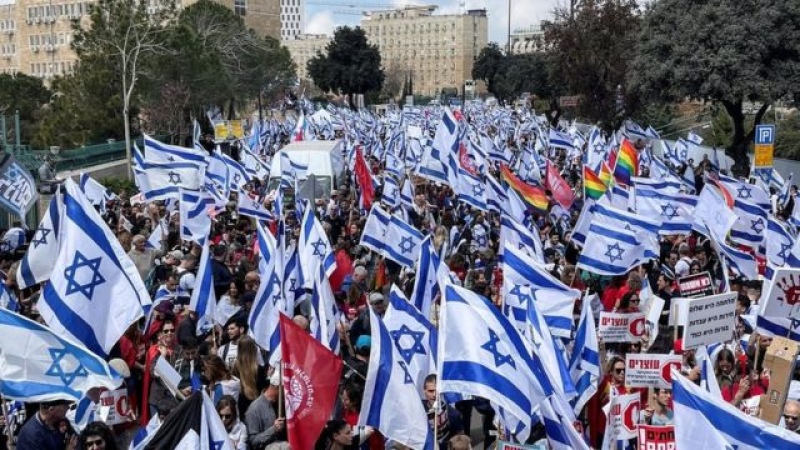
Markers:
point(160, 153)
point(37, 264)
point(204, 300)
point(675, 210)
point(374, 235)
point(315, 251)
point(407, 194)
point(8, 300)
point(558, 420)
point(558, 139)
point(749, 193)
point(255, 167)
point(238, 174)
point(596, 151)
point(391, 399)
point(218, 173)
point(712, 214)
point(265, 312)
point(324, 313)
point(471, 190)
point(514, 234)
point(165, 181)
point(403, 242)
point(743, 263)
point(435, 163)
point(195, 223)
point(95, 291)
point(611, 251)
point(157, 235)
point(646, 227)
point(554, 300)
point(780, 245)
point(660, 171)
point(482, 354)
point(616, 196)
point(38, 364)
point(634, 131)
point(391, 192)
point(251, 207)
point(703, 421)
point(694, 138)
point(415, 338)
point(750, 227)
point(291, 171)
point(584, 362)
point(95, 192)
point(431, 271)
point(293, 279)
point(496, 198)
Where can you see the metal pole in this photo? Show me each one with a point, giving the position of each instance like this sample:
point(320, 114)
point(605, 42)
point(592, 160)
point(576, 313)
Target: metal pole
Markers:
point(16, 131)
point(509, 28)
point(3, 136)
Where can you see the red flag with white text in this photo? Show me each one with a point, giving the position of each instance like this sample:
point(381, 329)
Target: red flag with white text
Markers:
point(364, 180)
point(311, 376)
point(560, 189)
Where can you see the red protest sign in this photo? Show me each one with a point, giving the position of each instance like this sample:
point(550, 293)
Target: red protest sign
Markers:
point(656, 438)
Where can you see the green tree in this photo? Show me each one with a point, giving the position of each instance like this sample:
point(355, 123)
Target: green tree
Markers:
point(24, 94)
point(351, 65)
point(732, 53)
point(125, 33)
point(489, 65)
point(591, 50)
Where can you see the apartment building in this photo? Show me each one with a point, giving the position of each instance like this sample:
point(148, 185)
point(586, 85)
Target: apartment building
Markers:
point(437, 51)
point(303, 47)
point(292, 16)
point(528, 40)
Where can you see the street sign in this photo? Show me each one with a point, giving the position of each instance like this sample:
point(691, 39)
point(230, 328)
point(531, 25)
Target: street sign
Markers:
point(764, 146)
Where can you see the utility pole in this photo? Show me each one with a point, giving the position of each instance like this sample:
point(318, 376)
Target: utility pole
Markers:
point(508, 52)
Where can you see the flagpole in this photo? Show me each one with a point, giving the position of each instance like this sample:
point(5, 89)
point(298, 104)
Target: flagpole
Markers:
point(281, 394)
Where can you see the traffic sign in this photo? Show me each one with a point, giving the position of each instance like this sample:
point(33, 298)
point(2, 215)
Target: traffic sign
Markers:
point(765, 146)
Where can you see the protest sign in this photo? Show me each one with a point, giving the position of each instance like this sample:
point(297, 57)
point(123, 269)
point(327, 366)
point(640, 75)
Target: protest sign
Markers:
point(648, 370)
point(17, 187)
point(656, 438)
point(697, 285)
point(617, 327)
point(117, 404)
point(623, 416)
point(783, 296)
point(710, 320)
point(501, 445)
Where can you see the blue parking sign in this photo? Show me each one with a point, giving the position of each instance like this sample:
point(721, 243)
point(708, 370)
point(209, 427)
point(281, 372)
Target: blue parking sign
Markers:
point(765, 134)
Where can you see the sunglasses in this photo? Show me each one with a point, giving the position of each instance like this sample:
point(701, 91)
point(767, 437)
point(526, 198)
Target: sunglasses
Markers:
point(619, 370)
point(168, 330)
point(634, 300)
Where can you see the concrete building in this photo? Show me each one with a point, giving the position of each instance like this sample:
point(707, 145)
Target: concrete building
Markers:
point(527, 40)
point(437, 51)
point(303, 47)
point(35, 35)
point(292, 16)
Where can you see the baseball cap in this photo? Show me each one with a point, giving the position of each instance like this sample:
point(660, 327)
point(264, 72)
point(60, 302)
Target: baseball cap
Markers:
point(176, 254)
point(375, 297)
point(364, 341)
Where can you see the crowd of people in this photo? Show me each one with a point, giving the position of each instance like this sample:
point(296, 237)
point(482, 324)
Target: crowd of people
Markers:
point(234, 371)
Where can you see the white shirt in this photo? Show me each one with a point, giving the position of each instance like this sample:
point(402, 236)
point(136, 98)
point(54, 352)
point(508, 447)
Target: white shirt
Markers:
point(682, 266)
point(238, 435)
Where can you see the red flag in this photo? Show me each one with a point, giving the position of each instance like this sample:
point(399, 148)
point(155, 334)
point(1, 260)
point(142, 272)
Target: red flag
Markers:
point(562, 193)
point(364, 179)
point(311, 376)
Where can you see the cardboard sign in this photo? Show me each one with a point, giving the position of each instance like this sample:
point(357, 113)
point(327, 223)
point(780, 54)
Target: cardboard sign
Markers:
point(656, 438)
point(501, 445)
point(783, 297)
point(647, 370)
point(221, 130)
point(117, 404)
point(616, 327)
point(623, 416)
point(697, 285)
point(710, 320)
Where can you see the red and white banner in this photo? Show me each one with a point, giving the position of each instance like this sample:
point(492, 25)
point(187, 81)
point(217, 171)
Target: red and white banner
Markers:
point(311, 375)
point(647, 370)
point(623, 416)
point(560, 189)
point(617, 327)
point(114, 407)
point(656, 438)
point(363, 179)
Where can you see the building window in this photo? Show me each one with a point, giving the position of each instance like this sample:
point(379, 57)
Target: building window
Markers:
point(240, 7)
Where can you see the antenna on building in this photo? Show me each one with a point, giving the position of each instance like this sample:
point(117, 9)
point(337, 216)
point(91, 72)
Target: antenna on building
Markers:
point(462, 7)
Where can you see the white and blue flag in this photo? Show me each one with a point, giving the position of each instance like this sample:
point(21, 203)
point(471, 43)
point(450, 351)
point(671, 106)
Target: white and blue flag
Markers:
point(481, 353)
point(514, 234)
point(471, 190)
point(204, 300)
point(37, 364)
point(156, 152)
point(315, 251)
point(95, 291)
point(554, 300)
point(703, 421)
point(391, 401)
point(251, 207)
point(611, 250)
point(37, 264)
point(674, 209)
point(431, 271)
point(195, 223)
point(584, 363)
point(749, 228)
point(403, 242)
point(269, 303)
point(780, 245)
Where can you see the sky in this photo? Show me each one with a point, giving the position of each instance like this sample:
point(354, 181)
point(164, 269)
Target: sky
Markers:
point(322, 17)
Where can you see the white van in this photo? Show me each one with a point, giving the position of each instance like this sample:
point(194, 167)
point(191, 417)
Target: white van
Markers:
point(325, 162)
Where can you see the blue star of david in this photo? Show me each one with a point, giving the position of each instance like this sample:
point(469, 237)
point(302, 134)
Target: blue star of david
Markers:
point(683, 154)
point(757, 225)
point(416, 347)
point(236, 178)
point(407, 244)
point(216, 445)
point(40, 238)
point(614, 252)
point(56, 370)
point(783, 254)
point(744, 192)
point(499, 358)
point(174, 177)
point(598, 148)
point(481, 241)
point(319, 248)
point(406, 375)
point(12, 172)
point(171, 158)
point(477, 190)
point(78, 262)
point(256, 206)
point(669, 211)
point(292, 284)
point(628, 227)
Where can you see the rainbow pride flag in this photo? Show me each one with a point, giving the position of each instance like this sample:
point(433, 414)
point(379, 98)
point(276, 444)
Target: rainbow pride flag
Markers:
point(593, 186)
point(627, 163)
point(605, 174)
point(533, 196)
